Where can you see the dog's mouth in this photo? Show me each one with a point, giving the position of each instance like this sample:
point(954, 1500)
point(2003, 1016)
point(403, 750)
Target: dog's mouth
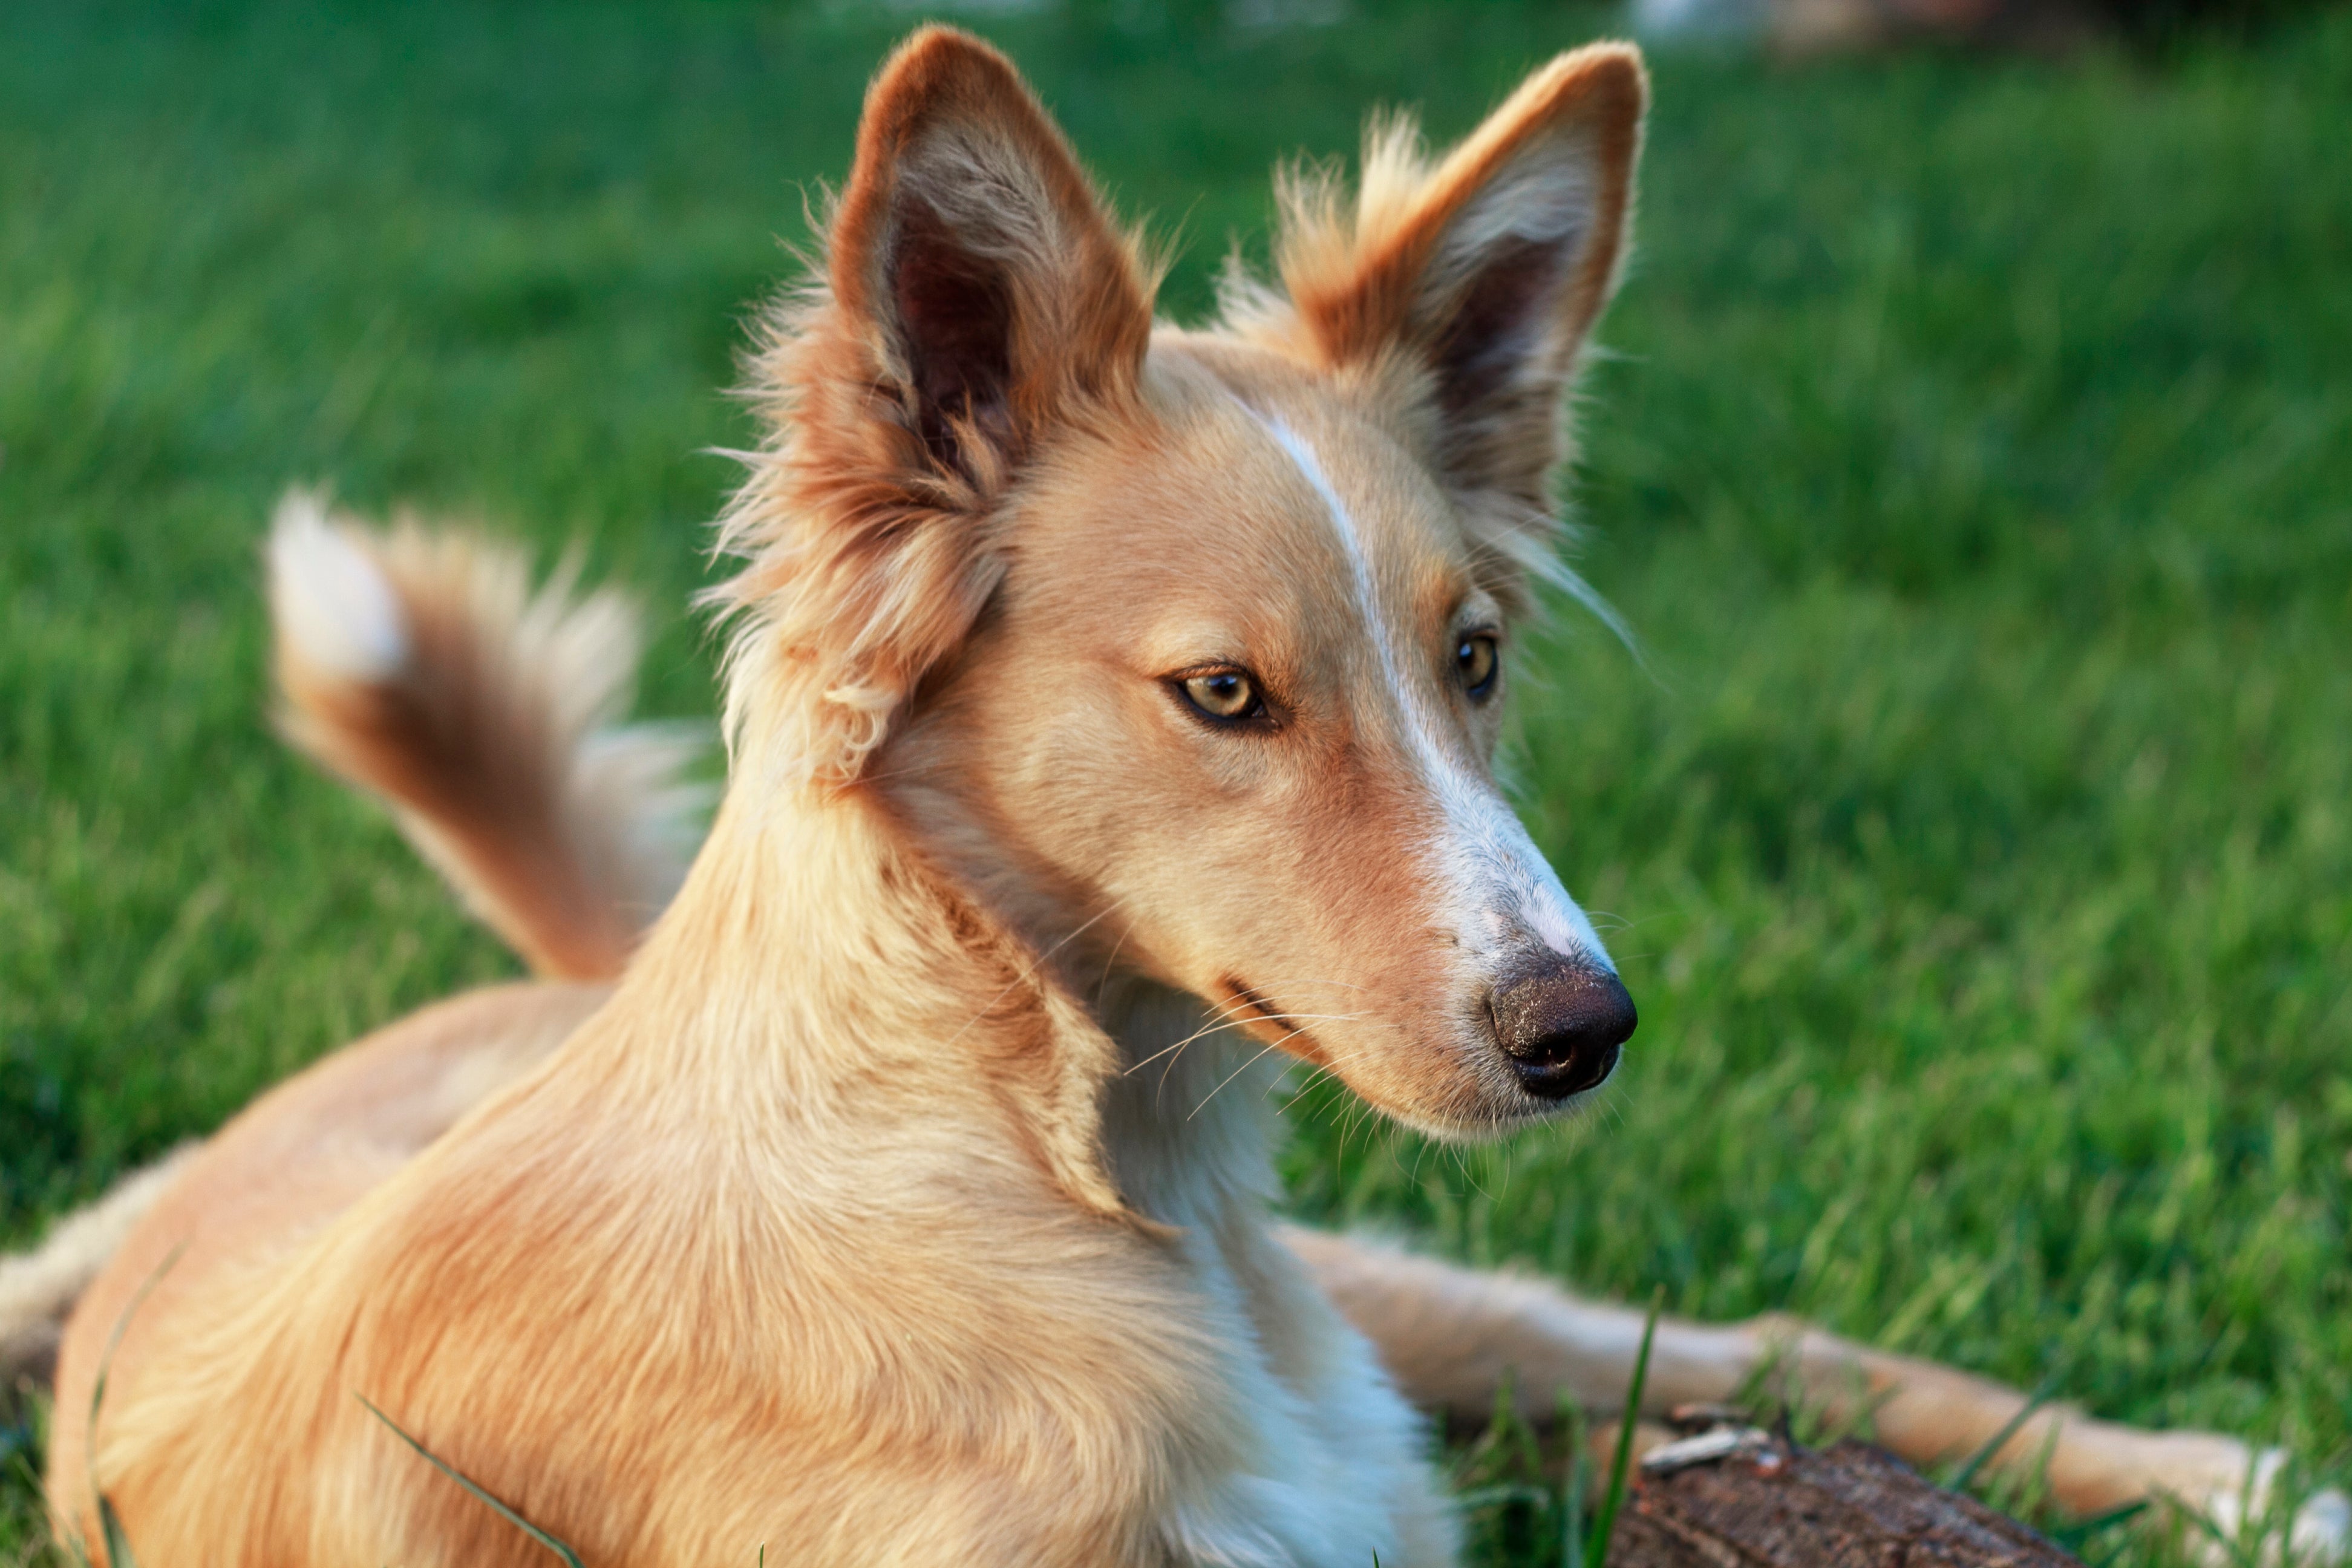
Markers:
point(1536, 1043)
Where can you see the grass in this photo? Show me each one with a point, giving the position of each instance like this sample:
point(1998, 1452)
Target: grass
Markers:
point(1975, 462)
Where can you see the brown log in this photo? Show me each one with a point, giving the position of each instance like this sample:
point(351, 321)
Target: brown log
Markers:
point(1849, 1506)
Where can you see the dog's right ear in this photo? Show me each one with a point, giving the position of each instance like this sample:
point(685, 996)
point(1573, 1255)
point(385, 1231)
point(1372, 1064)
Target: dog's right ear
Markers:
point(977, 295)
point(971, 250)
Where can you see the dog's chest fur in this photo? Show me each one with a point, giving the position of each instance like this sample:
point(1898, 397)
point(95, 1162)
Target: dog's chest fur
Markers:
point(1334, 1468)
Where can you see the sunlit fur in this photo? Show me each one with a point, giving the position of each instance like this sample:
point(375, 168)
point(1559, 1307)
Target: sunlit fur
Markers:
point(902, 1198)
point(904, 1201)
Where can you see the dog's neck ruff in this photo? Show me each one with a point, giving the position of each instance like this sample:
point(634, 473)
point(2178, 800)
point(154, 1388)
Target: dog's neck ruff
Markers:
point(816, 974)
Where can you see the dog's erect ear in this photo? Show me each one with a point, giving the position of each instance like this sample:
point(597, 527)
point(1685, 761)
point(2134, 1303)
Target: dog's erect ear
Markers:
point(1485, 273)
point(970, 248)
point(976, 296)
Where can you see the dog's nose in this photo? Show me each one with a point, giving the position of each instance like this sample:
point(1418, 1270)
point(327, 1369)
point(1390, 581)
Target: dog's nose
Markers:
point(1561, 1023)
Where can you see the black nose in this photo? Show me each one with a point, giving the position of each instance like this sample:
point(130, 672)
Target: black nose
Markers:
point(1561, 1022)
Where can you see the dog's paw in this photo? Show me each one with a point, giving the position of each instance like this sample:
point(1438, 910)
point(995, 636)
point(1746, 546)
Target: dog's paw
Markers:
point(2246, 1522)
point(2323, 1528)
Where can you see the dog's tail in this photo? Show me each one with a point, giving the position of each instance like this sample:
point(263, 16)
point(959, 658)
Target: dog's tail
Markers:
point(422, 668)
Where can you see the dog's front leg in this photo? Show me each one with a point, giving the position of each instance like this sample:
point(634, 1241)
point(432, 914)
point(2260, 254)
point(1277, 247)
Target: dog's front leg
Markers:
point(1453, 1337)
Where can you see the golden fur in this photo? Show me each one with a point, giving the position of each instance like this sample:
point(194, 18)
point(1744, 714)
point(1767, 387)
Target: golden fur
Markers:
point(903, 1197)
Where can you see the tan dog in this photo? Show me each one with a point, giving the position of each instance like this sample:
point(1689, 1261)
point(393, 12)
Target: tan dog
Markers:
point(1111, 708)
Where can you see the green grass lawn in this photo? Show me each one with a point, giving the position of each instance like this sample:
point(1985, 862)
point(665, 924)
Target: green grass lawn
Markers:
point(1974, 459)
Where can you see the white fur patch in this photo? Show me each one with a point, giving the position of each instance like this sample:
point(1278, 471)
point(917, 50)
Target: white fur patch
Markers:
point(1495, 868)
point(2321, 1530)
point(1329, 1469)
point(331, 601)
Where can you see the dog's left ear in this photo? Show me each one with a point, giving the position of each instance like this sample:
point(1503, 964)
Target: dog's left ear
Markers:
point(977, 298)
point(1478, 278)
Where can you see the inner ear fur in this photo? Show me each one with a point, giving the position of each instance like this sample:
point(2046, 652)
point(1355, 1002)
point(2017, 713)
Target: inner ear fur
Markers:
point(1475, 279)
point(969, 246)
point(975, 294)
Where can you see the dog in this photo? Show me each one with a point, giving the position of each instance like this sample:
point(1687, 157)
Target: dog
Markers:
point(1111, 708)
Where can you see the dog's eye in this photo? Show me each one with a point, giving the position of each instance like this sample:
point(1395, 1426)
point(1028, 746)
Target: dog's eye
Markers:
point(1227, 695)
point(1479, 662)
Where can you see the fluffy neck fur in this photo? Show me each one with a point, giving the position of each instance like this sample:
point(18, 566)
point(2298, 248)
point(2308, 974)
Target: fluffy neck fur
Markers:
point(817, 955)
point(819, 967)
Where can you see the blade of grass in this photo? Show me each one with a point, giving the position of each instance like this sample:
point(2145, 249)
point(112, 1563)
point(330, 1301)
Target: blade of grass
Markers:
point(503, 1512)
point(2000, 1440)
point(117, 1544)
point(2233, 1546)
point(1621, 1466)
point(110, 1523)
point(1861, 1421)
point(2075, 1537)
point(68, 1544)
point(1571, 1535)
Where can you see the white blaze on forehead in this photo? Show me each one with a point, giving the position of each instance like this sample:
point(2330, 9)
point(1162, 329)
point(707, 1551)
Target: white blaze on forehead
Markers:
point(1492, 864)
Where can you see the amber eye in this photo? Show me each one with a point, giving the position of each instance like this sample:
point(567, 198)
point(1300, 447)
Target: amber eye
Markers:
point(1478, 660)
point(1225, 695)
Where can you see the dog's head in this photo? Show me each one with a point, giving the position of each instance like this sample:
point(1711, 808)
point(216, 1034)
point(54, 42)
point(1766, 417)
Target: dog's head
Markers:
point(1188, 650)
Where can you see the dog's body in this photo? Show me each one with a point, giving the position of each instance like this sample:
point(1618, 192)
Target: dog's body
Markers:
point(1110, 714)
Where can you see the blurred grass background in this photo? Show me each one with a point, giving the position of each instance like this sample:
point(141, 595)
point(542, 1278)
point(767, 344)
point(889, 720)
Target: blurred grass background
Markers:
point(1974, 458)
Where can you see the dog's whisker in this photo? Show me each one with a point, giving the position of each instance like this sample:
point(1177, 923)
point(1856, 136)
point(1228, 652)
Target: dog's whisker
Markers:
point(1253, 1061)
point(1223, 1019)
point(1224, 1027)
point(1229, 1077)
point(1109, 962)
point(1288, 983)
point(1219, 1022)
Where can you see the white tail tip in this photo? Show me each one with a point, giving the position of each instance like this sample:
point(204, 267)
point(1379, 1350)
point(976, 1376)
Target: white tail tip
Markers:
point(331, 600)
